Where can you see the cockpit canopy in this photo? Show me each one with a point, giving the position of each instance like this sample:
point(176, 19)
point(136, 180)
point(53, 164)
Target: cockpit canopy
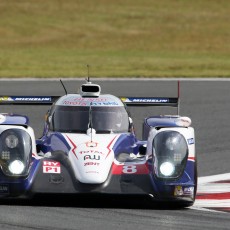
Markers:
point(104, 119)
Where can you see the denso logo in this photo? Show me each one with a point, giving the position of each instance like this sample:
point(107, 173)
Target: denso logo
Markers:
point(91, 164)
point(92, 157)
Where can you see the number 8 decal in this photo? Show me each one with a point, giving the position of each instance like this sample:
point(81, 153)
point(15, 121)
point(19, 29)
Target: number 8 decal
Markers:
point(129, 169)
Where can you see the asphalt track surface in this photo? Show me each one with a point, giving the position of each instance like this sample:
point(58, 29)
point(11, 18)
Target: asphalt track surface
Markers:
point(207, 103)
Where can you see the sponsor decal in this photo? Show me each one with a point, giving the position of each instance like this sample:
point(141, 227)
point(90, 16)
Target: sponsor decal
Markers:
point(91, 152)
point(79, 103)
point(51, 167)
point(109, 103)
point(178, 191)
point(25, 98)
point(190, 141)
point(4, 188)
point(188, 190)
point(91, 164)
point(92, 101)
point(130, 169)
point(150, 100)
point(92, 157)
point(145, 100)
point(5, 98)
point(91, 144)
point(82, 99)
point(31, 98)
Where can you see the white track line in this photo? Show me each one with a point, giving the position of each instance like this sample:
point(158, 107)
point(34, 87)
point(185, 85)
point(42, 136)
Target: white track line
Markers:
point(213, 178)
point(206, 186)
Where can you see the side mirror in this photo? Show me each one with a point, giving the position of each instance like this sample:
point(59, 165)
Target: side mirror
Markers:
point(142, 150)
point(131, 128)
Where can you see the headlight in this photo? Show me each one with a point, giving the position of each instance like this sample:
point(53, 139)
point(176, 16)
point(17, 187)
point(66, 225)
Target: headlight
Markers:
point(170, 153)
point(171, 142)
point(11, 141)
point(15, 152)
point(167, 169)
point(16, 167)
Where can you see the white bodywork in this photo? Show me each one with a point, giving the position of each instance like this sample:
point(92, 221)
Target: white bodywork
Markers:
point(91, 156)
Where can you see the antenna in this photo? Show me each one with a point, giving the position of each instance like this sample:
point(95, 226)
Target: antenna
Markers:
point(63, 86)
point(90, 125)
point(88, 79)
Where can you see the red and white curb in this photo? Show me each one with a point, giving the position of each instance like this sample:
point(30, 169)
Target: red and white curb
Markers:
point(213, 193)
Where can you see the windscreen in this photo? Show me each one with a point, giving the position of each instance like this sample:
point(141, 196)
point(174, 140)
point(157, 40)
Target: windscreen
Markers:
point(103, 119)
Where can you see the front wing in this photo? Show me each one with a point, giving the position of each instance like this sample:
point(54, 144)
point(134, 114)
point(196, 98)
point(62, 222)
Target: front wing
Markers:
point(55, 176)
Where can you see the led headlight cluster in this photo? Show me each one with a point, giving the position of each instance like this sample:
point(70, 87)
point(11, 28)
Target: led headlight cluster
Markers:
point(15, 152)
point(170, 152)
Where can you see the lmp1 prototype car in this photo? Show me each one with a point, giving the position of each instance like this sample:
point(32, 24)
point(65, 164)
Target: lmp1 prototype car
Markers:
point(89, 146)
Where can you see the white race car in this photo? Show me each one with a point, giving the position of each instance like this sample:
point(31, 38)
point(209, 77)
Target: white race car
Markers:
point(89, 146)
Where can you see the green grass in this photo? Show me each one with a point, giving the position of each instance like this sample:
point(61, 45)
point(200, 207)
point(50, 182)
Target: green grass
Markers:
point(117, 38)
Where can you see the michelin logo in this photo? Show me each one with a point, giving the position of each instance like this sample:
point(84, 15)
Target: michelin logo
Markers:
point(5, 98)
point(145, 100)
point(32, 99)
point(150, 100)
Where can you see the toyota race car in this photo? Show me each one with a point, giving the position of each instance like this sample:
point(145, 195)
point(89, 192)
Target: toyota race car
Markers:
point(89, 146)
